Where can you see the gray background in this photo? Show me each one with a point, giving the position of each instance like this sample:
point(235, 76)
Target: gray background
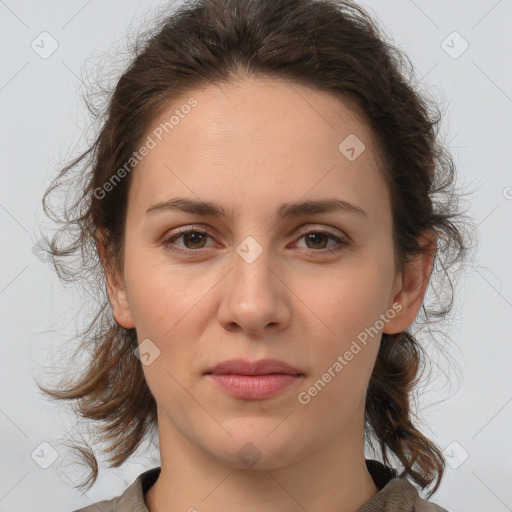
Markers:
point(42, 125)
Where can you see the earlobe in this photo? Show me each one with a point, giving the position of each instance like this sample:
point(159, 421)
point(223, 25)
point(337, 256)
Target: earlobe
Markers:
point(120, 308)
point(115, 287)
point(410, 287)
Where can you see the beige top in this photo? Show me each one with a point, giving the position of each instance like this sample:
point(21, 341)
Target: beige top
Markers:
point(395, 494)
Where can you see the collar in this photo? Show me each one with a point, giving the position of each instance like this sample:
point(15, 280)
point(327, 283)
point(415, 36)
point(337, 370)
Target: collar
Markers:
point(395, 494)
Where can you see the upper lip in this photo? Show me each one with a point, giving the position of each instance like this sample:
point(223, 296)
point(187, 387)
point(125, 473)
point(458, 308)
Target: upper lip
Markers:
point(261, 367)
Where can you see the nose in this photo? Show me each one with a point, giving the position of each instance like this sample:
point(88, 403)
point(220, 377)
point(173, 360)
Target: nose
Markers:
point(255, 297)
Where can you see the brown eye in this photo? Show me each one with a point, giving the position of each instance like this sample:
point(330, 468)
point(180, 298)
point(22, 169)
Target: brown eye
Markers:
point(196, 239)
point(193, 239)
point(316, 241)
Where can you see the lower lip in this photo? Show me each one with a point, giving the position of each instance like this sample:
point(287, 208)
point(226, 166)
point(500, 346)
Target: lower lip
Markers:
point(254, 387)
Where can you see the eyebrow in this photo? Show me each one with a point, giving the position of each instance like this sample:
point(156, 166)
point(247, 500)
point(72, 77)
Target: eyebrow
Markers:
point(294, 209)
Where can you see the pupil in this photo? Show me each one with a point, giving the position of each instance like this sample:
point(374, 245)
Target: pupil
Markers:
point(312, 237)
point(195, 237)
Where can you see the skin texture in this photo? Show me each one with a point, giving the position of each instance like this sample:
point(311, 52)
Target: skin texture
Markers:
point(252, 145)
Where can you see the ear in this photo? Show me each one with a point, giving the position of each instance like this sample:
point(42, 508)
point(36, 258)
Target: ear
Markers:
point(116, 289)
point(410, 286)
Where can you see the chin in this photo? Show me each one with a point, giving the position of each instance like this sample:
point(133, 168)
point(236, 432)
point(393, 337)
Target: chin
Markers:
point(256, 446)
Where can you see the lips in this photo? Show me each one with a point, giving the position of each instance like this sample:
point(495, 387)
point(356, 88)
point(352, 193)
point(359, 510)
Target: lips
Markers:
point(251, 368)
point(256, 380)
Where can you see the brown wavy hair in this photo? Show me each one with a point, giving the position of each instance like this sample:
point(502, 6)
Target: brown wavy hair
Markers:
point(328, 45)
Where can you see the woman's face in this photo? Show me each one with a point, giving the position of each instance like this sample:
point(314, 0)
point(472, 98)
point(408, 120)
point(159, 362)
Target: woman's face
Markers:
point(252, 284)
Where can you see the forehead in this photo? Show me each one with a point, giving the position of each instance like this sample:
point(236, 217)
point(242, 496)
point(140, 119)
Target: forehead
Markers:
point(259, 108)
point(255, 136)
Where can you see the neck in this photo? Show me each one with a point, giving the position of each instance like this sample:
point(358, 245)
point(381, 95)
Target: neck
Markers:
point(333, 478)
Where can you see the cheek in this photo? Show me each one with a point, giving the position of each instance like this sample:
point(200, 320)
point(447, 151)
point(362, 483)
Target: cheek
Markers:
point(159, 295)
point(347, 300)
point(168, 310)
point(347, 324)
point(343, 348)
point(171, 305)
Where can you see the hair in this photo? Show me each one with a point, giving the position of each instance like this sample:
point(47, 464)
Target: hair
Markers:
point(327, 45)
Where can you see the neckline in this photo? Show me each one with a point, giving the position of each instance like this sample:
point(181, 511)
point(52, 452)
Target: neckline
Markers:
point(381, 475)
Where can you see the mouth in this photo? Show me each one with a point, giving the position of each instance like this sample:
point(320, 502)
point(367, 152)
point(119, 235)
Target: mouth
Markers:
point(253, 368)
point(256, 380)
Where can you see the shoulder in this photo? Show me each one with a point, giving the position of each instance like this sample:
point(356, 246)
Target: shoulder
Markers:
point(132, 499)
point(400, 495)
point(427, 506)
point(395, 494)
point(101, 506)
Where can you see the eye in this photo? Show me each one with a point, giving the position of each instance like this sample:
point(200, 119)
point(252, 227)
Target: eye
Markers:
point(317, 239)
point(195, 238)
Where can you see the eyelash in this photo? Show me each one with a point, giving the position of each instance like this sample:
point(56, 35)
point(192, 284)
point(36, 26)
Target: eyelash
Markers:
point(168, 242)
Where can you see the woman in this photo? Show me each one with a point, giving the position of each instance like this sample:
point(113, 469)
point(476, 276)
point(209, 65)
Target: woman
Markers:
point(265, 201)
